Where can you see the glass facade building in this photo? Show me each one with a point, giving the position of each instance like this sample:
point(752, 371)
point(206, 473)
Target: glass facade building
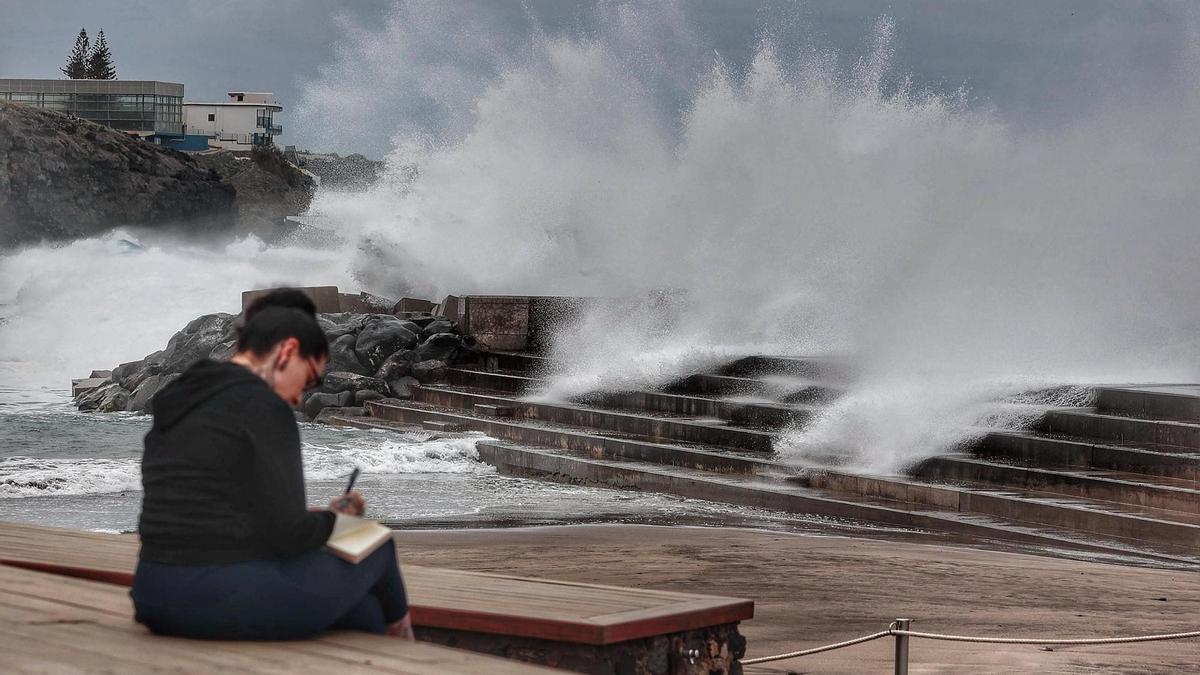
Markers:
point(143, 107)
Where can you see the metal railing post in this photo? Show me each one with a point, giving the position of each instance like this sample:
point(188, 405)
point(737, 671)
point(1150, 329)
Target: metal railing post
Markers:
point(902, 646)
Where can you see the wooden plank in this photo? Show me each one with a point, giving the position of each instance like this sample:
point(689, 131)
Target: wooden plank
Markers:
point(451, 599)
point(50, 635)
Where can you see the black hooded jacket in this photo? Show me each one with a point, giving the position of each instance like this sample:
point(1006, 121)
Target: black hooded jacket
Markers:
point(222, 473)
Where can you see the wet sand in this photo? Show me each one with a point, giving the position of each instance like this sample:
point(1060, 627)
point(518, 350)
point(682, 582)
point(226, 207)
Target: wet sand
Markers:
point(814, 590)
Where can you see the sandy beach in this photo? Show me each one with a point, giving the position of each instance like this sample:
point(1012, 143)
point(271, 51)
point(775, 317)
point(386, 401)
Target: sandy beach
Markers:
point(813, 590)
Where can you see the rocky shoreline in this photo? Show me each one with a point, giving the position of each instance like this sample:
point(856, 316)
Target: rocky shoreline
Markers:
point(371, 356)
point(63, 178)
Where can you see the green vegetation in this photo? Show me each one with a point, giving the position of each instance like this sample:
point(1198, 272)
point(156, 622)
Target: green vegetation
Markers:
point(95, 63)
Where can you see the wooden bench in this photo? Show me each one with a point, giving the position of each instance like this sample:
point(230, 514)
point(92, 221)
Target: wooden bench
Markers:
point(583, 627)
point(54, 623)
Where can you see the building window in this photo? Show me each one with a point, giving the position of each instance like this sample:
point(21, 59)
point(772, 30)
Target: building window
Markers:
point(240, 97)
point(212, 117)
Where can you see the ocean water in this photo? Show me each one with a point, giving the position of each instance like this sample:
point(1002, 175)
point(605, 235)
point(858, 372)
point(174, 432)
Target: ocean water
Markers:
point(70, 469)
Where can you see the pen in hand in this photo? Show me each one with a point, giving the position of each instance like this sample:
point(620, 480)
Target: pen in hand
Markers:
point(345, 502)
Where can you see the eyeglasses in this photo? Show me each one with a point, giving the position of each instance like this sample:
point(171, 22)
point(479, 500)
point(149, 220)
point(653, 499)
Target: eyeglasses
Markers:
point(316, 378)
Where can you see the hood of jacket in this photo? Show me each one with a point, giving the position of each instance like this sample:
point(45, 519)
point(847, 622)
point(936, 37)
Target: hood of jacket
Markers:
point(200, 382)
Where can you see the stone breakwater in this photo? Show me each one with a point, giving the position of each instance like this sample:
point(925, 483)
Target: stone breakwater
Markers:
point(371, 356)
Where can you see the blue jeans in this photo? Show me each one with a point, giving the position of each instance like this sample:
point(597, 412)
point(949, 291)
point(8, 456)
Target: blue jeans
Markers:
point(283, 599)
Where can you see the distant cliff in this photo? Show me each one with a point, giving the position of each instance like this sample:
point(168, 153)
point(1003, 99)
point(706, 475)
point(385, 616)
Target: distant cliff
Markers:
point(62, 178)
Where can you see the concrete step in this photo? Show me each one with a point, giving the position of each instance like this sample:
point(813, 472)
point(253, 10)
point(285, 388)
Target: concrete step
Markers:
point(552, 435)
point(823, 368)
point(779, 388)
point(653, 428)
point(1159, 435)
point(1034, 509)
point(1164, 529)
point(492, 381)
point(1117, 487)
point(763, 413)
point(774, 493)
point(1078, 453)
point(1162, 402)
point(529, 364)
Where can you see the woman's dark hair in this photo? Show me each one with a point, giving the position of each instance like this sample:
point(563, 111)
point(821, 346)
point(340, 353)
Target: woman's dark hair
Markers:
point(279, 315)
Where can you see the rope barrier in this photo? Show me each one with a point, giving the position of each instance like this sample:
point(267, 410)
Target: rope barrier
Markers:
point(818, 650)
point(1051, 641)
point(892, 630)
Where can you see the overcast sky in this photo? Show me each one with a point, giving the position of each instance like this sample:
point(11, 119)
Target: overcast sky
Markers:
point(1035, 62)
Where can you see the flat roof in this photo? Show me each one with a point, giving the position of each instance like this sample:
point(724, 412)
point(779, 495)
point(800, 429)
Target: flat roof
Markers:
point(247, 104)
point(64, 86)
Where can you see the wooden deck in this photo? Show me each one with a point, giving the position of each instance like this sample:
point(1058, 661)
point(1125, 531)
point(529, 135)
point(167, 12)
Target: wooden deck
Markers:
point(440, 598)
point(55, 624)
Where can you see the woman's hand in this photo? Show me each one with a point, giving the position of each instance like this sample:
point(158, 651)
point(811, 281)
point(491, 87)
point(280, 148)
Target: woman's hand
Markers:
point(351, 504)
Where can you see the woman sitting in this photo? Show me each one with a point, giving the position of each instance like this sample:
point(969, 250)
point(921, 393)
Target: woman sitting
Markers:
point(229, 548)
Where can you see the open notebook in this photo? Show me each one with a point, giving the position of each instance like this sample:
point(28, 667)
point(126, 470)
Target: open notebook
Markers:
point(354, 538)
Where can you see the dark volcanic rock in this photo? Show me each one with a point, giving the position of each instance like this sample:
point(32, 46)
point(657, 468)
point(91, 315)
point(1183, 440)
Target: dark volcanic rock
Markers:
point(268, 189)
point(145, 391)
point(108, 398)
point(198, 340)
point(402, 387)
point(429, 372)
point(440, 347)
point(435, 327)
point(397, 365)
point(361, 397)
point(352, 171)
point(343, 358)
point(317, 402)
point(337, 382)
point(380, 339)
point(66, 178)
point(332, 411)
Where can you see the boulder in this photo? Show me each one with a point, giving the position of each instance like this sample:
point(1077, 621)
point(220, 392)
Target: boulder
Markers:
point(109, 398)
point(412, 327)
point(440, 347)
point(402, 387)
point(315, 403)
point(224, 351)
point(342, 357)
point(380, 339)
point(147, 389)
point(198, 340)
point(80, 387)
point(142, 399)
point(337, 382)
point(101, 374)
point(334, 411)
point(122, 373)
point(428, 372)
point(396, 365)
point(364, 395)
point(150, 369)
point(435, 327)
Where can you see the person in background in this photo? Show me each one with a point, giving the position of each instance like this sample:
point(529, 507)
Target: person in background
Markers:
point(229, 548)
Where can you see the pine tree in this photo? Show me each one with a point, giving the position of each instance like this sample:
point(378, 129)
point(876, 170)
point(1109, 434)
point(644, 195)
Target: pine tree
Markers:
point(77, 65)
point(100, 64)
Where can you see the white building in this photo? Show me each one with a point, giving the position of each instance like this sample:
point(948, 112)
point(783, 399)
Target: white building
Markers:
point(242, 122)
